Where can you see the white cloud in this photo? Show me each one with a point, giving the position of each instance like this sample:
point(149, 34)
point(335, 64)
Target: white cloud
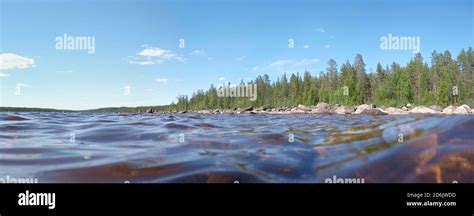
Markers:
point(321, 29)
point(210, 59)
point(4, 75)
point(22, 85)
point(142, 62)
point(221, 78)
point(306, 46)
point(162, 80)
point(154, 55)
point(199, 53)
point(10, 61)
point(286, 65)
point(327, 46)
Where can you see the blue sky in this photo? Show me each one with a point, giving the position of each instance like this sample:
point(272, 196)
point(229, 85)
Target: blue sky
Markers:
point(137, 44)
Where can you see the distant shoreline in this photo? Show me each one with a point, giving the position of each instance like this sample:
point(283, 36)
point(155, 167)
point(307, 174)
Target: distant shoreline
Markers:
point(320, 108)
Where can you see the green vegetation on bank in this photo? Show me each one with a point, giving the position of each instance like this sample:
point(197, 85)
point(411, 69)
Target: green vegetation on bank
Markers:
point(446, 81)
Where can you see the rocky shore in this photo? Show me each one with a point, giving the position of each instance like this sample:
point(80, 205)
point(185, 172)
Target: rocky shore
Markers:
point(324, 108)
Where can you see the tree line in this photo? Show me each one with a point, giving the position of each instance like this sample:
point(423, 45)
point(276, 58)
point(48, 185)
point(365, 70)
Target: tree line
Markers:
point(445, 81)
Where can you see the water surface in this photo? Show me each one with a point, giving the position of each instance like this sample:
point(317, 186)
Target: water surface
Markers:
point(109, 147)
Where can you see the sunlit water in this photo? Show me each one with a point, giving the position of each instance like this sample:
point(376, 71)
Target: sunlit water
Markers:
point(96, 147)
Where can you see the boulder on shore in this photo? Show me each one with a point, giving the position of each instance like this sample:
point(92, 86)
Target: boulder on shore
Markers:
point(344, 110)
point(363, 107)
point(449, 110)
point(396, 111)
point(461, 110)
point(369, 109)
point(296, 110)
point(373, 111)
point(322, 108)
point(436, 108)
point(423, 110)
point(203, 112)
point(303, 107)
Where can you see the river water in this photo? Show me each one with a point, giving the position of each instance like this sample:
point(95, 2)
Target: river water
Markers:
point(227, 148)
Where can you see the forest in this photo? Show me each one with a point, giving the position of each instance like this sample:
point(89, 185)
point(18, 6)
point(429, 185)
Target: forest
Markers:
point(447, 80)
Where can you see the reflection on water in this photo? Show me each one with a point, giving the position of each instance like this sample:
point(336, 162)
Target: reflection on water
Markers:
point(92, 147)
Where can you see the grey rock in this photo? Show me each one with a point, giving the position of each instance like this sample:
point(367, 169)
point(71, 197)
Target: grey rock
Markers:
point(363, 107)
point(437, 108)
point(396, 111)
point(204, 112)
point(423, 110)
point(322, 108)
point(373, 111)
point(303, 108)
point(463, 110)
point(343, 110)
point(449, 110)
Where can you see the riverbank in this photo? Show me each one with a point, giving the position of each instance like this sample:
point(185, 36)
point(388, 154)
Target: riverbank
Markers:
point(324, 108)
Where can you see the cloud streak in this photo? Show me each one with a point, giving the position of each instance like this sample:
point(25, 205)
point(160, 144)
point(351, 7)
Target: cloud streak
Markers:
point(162, 80)
point(11, 61)
point(200, 52)
point(321, 29)
point(154, 55)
